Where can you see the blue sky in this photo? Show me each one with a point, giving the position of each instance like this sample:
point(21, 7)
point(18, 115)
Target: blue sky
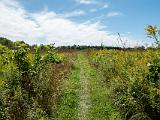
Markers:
point(84, 22)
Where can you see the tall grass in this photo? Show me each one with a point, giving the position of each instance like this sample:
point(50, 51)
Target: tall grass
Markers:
point(132, 78)
point(27, 84)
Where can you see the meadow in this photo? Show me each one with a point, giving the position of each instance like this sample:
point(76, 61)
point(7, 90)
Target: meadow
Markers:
point(48, 83)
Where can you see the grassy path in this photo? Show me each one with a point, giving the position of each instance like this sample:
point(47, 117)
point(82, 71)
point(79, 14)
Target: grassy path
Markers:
point(70, 98)
point(84, 76)
point(85, 96)
point(101, 107)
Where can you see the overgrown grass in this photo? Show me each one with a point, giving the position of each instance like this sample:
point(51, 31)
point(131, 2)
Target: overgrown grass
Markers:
point(101, 105)
point(68, 107)
point(101, 85)
point(131, 77)
point(27, 89)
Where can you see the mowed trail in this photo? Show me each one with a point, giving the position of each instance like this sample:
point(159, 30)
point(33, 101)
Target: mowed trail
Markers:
point(94, 103)
point(84, 93)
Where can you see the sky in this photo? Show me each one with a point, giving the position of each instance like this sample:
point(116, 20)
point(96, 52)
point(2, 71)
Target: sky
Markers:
point(80, 22)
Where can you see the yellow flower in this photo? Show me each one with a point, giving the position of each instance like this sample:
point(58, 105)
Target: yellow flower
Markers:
point(42, 118)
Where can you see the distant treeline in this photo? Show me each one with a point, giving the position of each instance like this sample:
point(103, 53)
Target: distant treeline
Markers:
point(78, 47)
point(6, 42)
point(11, 45)
point(83, 47)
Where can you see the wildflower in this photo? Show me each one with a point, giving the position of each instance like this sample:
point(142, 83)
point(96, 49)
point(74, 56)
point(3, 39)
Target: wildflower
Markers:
point(148, 64)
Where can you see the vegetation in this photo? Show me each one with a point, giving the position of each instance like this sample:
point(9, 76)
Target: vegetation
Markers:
point(153, 32)
point(79, 82)
point(132, 79)
point(26, 92)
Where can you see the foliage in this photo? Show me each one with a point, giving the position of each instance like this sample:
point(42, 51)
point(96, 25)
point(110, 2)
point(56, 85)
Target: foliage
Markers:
point(26, 92)
point(132, 78)
point(153, 32)
point(6, 42)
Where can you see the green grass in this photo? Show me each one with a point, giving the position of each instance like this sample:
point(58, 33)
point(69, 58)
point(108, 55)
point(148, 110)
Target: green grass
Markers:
point(98, 104)
point(70, 98)
point(101, 108)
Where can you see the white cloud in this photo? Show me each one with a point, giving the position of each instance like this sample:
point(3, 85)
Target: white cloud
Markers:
point(105, 6)
point(128, 32)
point(85, 1)
point(112, 14)
point(93, 10)
point(48, 27)
point(73, 13)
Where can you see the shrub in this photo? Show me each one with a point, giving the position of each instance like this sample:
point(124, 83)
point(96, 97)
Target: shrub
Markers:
point(26, 90)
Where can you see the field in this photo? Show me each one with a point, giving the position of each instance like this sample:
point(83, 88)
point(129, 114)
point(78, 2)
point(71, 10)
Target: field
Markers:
point(89, 84)
point(79, 60)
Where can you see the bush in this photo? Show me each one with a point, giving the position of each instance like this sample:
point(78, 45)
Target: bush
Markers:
point(26, 92)
point(132, 79)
